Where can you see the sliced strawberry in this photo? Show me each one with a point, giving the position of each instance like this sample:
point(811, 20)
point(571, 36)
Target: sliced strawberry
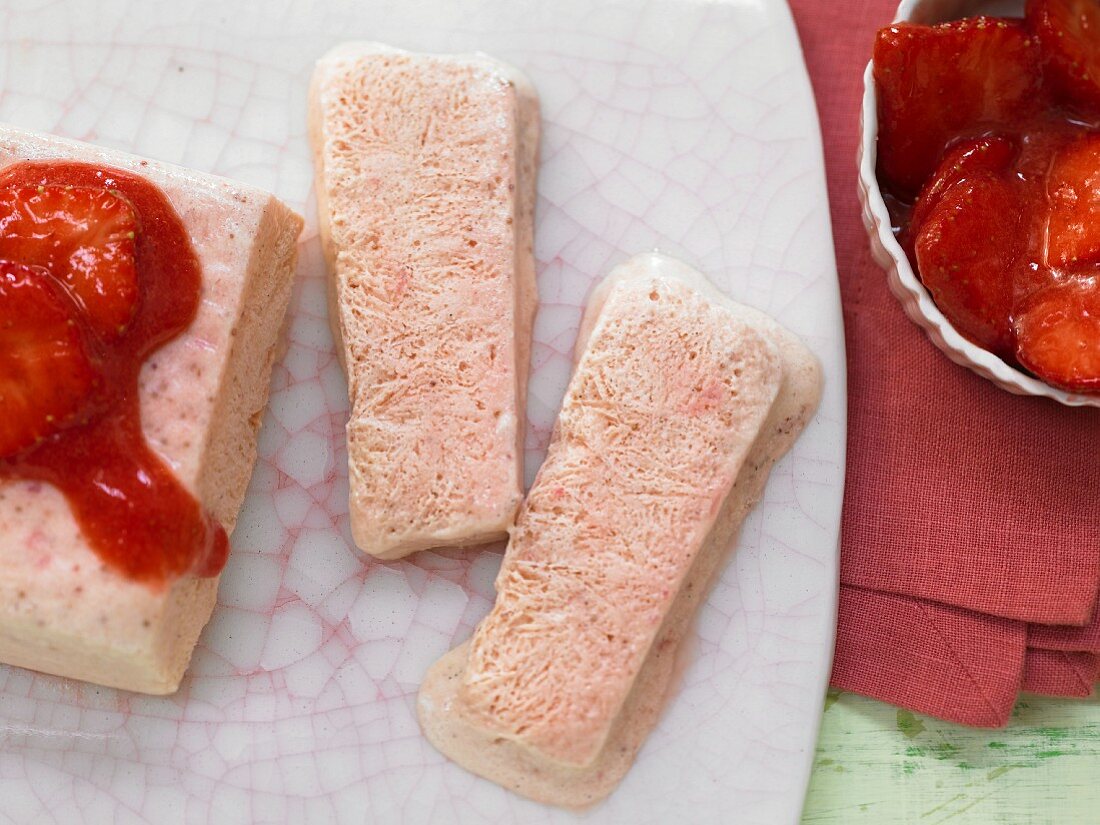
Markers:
point(1071, 235)
point(969, 238)
point(1058, 333)
point(84, 237)
point(46, 370)
point(938, 82)
point(992, 153)
point(1069, 35)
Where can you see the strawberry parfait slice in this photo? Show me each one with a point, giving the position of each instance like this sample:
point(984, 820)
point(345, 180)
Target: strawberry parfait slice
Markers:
point(96, 272)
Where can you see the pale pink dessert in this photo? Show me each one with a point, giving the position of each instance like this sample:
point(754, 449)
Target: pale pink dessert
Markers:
point(426, 186)
point(62, 610)
point(680, 403)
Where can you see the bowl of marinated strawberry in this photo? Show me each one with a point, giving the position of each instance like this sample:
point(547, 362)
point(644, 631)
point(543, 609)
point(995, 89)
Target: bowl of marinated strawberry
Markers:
point(980, 185)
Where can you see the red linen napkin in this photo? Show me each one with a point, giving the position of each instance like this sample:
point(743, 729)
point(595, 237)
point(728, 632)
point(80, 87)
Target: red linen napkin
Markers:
point(1057, 673)
point(1061, 637)
point(961, 500)
point(929, 657)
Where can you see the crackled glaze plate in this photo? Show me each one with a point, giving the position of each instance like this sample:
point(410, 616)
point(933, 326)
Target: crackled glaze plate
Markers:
point(681, 125)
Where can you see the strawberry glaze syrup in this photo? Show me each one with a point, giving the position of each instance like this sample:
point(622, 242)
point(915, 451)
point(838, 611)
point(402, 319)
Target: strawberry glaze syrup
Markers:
point(133, 511)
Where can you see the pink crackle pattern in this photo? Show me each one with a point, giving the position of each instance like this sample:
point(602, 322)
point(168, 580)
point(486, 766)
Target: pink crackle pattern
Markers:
point(683, 126)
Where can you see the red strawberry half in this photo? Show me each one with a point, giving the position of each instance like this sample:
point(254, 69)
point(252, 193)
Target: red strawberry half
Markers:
point(84, 237)
point(1071, 235)
point(1057, 316)
point(46, 369)
point(969, 238)
point(938, 82)
point(992, 153)
point(1069, 35)
point(1058, 333)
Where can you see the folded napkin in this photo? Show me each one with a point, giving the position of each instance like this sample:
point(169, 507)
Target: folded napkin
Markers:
point(1085, 638)
point(929, 657)
point(970, 546)
point(1057, 673)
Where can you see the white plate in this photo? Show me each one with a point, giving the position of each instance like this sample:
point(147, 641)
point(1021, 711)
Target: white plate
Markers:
point(683, 125)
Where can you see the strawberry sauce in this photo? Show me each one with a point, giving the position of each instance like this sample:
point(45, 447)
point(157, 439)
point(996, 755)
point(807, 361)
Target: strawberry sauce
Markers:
point(133, 511)
point(989, 163)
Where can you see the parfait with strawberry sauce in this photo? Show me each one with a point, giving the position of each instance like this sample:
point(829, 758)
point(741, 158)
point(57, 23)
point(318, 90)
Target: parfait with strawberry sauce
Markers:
point(96, 273)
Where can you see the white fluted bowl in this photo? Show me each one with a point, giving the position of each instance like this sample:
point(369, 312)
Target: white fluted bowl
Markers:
point(903, 281)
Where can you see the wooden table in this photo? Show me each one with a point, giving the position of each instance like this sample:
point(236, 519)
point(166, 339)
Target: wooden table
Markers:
point(880, 765)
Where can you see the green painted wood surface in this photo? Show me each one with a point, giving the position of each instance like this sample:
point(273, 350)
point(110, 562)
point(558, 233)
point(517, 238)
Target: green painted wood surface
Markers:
point(880, 765)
